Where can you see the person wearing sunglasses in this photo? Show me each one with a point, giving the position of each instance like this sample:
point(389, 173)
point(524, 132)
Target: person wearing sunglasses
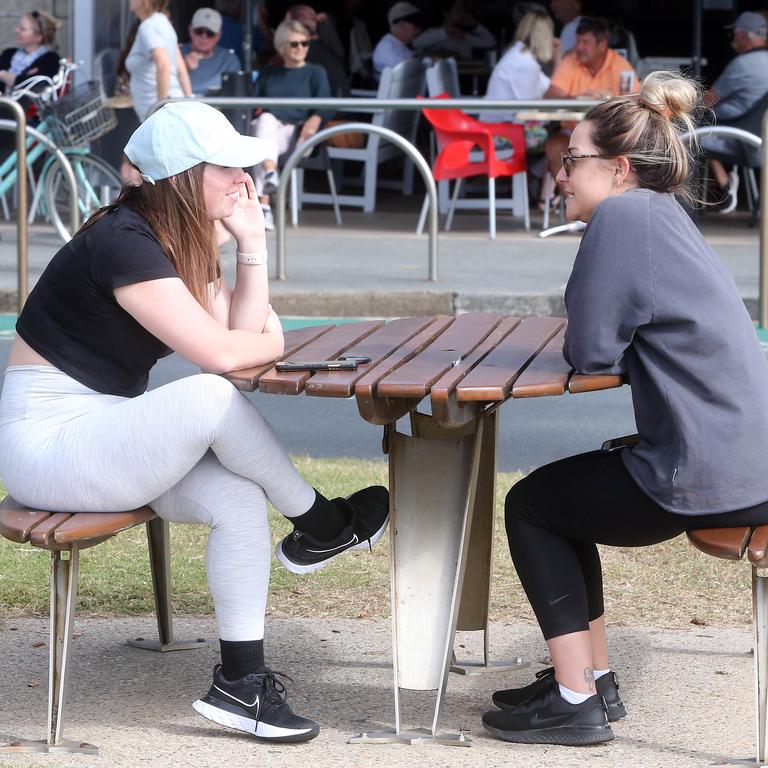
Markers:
point(206, 60)
point(155, 62)
point(647, 299)
point(34, 54)
point(295, 77)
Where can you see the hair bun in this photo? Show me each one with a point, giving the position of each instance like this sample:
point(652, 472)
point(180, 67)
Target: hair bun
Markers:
point(671, 95)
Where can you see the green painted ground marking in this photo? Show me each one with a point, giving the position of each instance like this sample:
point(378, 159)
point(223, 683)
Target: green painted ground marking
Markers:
point(8, 322)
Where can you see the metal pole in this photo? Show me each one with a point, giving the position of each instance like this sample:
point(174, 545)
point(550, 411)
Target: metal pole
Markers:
point(21, 172)
point(385, 133)
point(697, 12)
point(22, 226)
point(764, 232)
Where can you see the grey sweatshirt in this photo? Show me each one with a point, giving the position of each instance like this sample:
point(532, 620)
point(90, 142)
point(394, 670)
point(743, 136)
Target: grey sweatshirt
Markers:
point(649, 298)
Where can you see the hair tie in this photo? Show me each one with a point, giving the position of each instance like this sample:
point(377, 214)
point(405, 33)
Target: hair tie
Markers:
point(665, 112)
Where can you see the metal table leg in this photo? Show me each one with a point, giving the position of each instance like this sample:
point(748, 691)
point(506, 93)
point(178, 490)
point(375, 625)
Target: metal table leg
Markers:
point(442, 496)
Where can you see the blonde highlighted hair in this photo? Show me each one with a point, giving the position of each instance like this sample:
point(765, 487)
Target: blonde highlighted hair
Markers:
point(536, 31)
point(647, 129)
point(46, 25)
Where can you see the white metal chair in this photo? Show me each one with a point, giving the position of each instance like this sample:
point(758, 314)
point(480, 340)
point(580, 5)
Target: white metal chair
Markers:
point(404, 81)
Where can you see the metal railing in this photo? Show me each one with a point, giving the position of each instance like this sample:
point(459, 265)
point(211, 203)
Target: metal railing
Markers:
point(22, 130)
point(757, 143)
point(398, 141)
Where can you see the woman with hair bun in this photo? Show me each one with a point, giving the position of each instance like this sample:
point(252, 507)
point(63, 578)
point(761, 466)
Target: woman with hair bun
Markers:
point(648, 299)
point(35, 54)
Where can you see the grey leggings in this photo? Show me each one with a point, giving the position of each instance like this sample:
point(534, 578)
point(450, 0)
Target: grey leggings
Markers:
point(195, 450)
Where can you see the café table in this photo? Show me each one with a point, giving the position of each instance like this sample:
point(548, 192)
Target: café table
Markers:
point(448, 376)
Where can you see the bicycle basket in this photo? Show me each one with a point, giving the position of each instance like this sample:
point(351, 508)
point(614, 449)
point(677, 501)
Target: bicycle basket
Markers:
point(80, 116)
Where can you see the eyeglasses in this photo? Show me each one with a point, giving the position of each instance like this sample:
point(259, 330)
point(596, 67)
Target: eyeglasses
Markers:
point(569, 160)
point(297, 43)
point(204, 32)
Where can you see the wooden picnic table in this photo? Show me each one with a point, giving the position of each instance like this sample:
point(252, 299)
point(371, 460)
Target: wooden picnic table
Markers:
point(449, 375)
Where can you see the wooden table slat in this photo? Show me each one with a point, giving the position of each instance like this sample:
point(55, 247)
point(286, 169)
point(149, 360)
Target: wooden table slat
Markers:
point(547, 375)
point(494, 376)
point(581, 382)
point(414, 378)
point(247, 379)
point(379, 410)
point(378, 346)
point(327, 347)
point(445, 408)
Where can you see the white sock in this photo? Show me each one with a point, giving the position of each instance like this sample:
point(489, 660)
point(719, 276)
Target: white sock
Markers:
point(600, 672)
point(573, 697)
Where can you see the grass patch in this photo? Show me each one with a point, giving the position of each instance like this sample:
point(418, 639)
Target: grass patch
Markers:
point(670, 584)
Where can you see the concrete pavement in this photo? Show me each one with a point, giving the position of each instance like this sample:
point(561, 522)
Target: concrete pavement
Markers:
point(688, 693)
point(375, 266)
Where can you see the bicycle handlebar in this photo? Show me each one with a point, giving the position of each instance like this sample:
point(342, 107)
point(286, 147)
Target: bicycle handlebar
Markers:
point(53, 85)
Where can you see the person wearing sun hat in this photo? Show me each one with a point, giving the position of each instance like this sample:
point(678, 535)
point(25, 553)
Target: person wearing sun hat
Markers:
point(80, 432)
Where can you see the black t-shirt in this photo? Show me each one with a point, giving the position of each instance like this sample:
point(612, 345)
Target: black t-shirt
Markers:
point(73, 319)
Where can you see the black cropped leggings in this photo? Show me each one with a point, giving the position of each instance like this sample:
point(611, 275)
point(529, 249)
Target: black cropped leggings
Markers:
point(557, 514)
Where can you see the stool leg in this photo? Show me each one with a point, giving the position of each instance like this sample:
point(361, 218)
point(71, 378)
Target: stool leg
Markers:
point(63, 599)
point(158, 540)
point(760, 620)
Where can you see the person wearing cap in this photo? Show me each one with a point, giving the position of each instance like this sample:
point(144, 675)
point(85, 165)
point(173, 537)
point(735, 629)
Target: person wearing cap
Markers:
point(80, 432)
point(405, 23)
point(154, 62)
point(743, 82)
point(206, 61)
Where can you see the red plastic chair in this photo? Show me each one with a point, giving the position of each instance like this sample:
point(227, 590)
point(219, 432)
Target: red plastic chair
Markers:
point(459, 137)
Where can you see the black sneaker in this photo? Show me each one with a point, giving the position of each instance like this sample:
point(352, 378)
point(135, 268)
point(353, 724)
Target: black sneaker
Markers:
point(607, 686)
point(367, 514)
point(255, 704)
point(548, 718)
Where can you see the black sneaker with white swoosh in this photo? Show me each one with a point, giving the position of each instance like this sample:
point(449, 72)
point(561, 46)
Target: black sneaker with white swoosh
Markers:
point(255, 704)
point(367, 513)
point(547, 718)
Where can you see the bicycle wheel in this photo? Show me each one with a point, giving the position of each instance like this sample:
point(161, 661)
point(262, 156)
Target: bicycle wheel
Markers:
point(98, 184)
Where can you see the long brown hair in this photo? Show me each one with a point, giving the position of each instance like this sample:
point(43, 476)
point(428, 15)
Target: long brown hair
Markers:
point(175, 210)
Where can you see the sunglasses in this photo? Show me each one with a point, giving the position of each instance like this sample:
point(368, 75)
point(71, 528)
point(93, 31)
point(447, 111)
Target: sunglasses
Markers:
point(297, 43)
point(36, 16)
point(204, 32)
point(569, 160)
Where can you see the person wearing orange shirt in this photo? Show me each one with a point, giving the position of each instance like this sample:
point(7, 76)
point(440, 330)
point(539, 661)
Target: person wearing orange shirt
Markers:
point(592, 70)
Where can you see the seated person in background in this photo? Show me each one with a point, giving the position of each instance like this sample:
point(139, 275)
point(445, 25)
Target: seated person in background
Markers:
point(519, 74)
point(743, 82)
point(325, 48)
point(459, 35)
point(35, 36)
point(294, 77)
point(568, 13)
point(206, 61)
point(232, 28)
point(405, 23)
point(591, 69)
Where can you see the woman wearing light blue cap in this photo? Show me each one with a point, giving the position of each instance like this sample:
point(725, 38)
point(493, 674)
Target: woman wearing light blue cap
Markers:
point(78, 431)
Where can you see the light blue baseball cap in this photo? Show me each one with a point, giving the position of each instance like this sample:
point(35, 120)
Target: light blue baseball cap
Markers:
point(185, 133)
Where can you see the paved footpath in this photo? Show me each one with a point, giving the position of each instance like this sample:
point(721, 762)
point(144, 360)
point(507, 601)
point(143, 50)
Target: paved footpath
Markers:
point(688, 693)
point(374, 266)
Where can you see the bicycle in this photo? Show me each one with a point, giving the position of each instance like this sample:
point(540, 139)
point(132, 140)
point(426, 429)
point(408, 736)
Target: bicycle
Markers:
point(69, 120)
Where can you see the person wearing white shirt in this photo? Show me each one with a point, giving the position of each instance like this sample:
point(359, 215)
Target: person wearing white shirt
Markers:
point(519, 74)
point(155, 63)
point(568, 13)
point(404, 25)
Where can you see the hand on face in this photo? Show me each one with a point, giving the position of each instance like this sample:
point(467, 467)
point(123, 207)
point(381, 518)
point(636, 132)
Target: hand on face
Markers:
point(246, 221)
